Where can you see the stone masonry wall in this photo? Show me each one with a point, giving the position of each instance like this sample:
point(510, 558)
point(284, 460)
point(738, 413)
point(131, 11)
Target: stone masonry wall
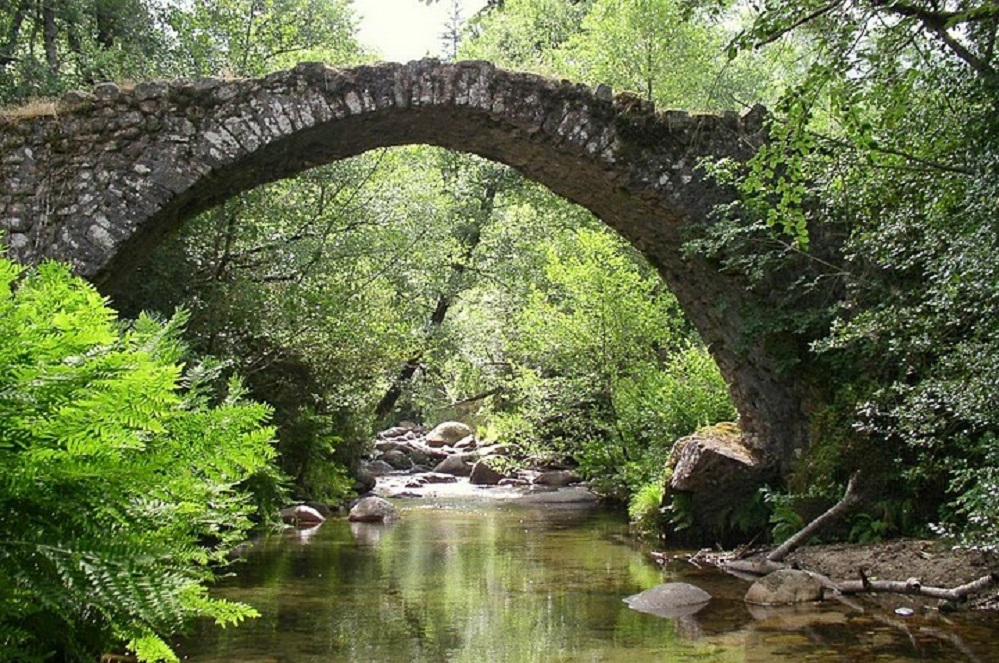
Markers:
point(102, 180)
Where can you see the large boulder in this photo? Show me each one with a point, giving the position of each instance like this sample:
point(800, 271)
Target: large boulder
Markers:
point(785, 587)
point(712, 459)
point(719, 477)
point(373, 510)
point(448, 434)
point(378, 468)
point(301, 516)
point(420, 457)
point(671, 599)
point(483, 474)
point(454, 465)
point(557, 478)
point(364, 480)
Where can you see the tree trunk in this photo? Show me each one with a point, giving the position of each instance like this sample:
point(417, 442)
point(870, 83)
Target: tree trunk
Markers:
point(913, 586)
point(51, 35)
point(445, 299)
point(17, 20)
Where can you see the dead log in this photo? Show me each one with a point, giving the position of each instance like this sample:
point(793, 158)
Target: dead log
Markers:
point(851, 498)
point(914, 586)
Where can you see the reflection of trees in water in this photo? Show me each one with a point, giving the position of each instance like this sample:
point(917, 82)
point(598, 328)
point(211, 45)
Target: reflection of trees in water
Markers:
point(498, 584)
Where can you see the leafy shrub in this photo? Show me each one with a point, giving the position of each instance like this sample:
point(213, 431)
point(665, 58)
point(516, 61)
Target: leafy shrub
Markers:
point(645, 508)
point(118, 478)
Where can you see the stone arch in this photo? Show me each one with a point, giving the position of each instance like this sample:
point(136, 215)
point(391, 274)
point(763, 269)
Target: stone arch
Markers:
point(103, 179)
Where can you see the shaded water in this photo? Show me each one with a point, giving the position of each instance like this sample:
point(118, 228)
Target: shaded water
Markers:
point(489, 581)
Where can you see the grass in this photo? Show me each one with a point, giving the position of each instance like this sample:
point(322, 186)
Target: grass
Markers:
point(29, 110)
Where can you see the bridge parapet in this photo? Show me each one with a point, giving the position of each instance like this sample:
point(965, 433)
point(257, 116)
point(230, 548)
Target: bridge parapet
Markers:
point(83, 182)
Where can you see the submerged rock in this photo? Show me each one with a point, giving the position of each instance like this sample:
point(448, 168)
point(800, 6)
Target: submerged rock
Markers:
point(437, 477)
point(373, 510)
point(785, 587)
point(671, 599)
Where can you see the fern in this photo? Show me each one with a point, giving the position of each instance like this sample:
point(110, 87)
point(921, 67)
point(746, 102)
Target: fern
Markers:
point(111, 476)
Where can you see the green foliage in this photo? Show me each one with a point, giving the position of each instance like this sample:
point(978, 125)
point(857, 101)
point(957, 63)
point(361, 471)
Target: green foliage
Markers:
point(605, 371)
point(523, 34)
point(645, 508)
point(118, 488)
point(785, 520)
point(976, 487)
point(875, 203)
point(672, 52)
point(50, 47)
point(250, 39)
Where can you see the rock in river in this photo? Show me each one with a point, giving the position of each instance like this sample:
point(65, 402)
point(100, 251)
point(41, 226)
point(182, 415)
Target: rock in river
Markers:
point(557, 478)
point(453, 465)
point(373, 510)
point(301, 516)
point(784, 587)
point(484, 474)
point(447, 433)
point(671, 599)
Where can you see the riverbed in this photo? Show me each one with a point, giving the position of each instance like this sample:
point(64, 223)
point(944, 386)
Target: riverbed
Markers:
point(467, 578)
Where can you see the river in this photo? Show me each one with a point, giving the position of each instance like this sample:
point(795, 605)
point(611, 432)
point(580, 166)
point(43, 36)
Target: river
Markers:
point(484, 581)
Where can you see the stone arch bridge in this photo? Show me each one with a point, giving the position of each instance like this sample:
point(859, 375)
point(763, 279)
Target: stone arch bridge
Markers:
point(99, 181)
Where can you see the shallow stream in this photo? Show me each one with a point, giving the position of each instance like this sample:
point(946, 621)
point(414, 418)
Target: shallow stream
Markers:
point(483, 580)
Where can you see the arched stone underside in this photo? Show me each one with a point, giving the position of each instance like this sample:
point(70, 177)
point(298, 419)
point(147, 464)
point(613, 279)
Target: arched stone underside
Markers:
point(102, 181)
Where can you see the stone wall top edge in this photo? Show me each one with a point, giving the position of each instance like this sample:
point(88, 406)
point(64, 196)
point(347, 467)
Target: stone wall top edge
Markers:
point(204, 92)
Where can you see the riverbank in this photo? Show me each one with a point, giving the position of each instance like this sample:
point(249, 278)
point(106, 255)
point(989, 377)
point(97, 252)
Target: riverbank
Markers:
point(932, 563)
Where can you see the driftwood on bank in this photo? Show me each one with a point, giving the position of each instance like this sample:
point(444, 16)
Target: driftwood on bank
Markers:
point(744, 568)
point(774, 560)
point(914, 586)
point(851, 499)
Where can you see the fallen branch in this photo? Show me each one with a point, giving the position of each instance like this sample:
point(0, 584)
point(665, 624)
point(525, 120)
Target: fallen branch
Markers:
point(849, 502)
point(914, 586)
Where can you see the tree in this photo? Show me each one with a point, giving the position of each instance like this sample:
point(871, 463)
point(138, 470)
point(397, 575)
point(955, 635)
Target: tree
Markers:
point(522, 34)
point(879, 191)
point(119, 477)
point(606, 370)
point(240, 38)
point(47, 46)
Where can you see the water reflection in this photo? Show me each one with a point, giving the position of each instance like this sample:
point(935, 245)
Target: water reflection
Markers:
point(369, 534)
point(502, 582)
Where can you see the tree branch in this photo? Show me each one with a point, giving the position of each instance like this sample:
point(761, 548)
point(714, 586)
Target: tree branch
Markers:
point(821, 11)
point(914, 586)
point(935, 165)
point(938, 22)
point(850, 500)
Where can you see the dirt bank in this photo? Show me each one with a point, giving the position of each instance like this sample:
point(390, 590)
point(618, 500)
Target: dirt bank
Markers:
point(933, 563)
